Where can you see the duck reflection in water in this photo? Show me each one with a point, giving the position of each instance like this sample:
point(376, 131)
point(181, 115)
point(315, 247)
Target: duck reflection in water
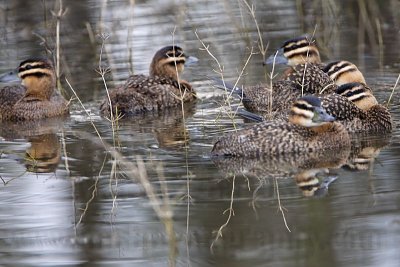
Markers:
point(168, 128)
point(313, 172)
point(365, 150)
point(44, 153)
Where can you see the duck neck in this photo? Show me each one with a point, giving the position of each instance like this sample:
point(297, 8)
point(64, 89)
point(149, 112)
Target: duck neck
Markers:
point(327, 127)
point(39, 89)
point(166, 70)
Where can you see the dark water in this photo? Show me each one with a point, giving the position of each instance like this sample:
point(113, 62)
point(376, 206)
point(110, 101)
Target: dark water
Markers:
point(70, 199)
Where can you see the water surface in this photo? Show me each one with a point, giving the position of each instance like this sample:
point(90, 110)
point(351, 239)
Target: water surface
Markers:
point(157, 198)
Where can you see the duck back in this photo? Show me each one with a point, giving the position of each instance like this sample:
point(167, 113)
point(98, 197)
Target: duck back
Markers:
point(142, 93)
point(280, 137)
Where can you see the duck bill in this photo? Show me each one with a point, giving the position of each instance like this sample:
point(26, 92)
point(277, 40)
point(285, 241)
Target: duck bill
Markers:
point(9, 77)
point(327, 118)
point(191, 60)
point(323, 116)
point(277, 58)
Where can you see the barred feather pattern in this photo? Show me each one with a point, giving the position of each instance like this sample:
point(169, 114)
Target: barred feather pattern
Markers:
point(284, 92)
point(311, 79)
point(142, 93)
point(280, 137)
point(14, 106)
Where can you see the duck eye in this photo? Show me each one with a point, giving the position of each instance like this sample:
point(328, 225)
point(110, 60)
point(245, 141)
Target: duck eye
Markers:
point(28, 67)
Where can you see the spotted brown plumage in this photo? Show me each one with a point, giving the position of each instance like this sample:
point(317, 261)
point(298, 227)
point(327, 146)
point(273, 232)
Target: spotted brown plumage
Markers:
point(259, 98)
point(305, 75)
point(308, 72)
point(36, 97)
point(354, 105)
point(309, 129)
point(358, 110)
point(162, 89)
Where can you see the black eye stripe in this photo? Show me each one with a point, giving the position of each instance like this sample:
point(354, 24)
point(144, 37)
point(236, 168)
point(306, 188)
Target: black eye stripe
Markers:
point(35, 74)
point(30, 67)
point(296, 46)
point(338, 68)
point(353, 92)
point(349, 86)
point(304, 54)
point(177, 62)
point(303, 106)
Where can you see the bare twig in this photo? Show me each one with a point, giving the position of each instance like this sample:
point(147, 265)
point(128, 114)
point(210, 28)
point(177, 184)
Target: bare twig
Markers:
point(252, 10)
point(280, 207)
point(58, 15)
point(87, 113)
point(271, 85)
point(231, 213)
point(394, 87)
point(93, 195)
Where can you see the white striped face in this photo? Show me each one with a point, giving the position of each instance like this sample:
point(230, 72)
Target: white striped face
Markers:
point(301, 50)
point(343, 72)
point(174, 58)
point(168, 61)
point(359, 94)
point(35, 69)
point(301, 113)
point(38, 77)
point(307, 112)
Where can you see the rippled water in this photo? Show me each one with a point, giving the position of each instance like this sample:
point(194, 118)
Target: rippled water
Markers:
point(66, 201)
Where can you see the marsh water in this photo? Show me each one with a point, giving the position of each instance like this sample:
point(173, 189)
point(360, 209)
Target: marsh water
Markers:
point(149, 194)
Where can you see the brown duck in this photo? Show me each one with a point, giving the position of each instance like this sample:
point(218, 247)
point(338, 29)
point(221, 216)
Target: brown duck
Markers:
point(310, 128)
point(36, 97)
point(162, 89)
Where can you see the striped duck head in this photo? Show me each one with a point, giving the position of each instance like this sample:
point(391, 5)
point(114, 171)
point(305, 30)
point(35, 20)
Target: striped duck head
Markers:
point(358, 93)
point(170, 62)
point(308, 112)
point(295, 51)
point(38, 76)
point(342, 72)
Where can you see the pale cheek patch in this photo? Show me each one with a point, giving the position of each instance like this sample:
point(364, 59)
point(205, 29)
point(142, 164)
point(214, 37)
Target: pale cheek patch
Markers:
point(302, 121)
point(348, 76)
point(366, 102)
point(178, 60)
point(301, 51)
point(301, 112)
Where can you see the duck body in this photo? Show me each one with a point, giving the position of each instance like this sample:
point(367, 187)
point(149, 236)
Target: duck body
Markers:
point(305, 75)
point(303, 79)
point(354, 119)
point(280, 137)
point(142, 94)
point(36, 98)
point(353, 105)
point(160, 90)
point(259, 98)
point(309, 129)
